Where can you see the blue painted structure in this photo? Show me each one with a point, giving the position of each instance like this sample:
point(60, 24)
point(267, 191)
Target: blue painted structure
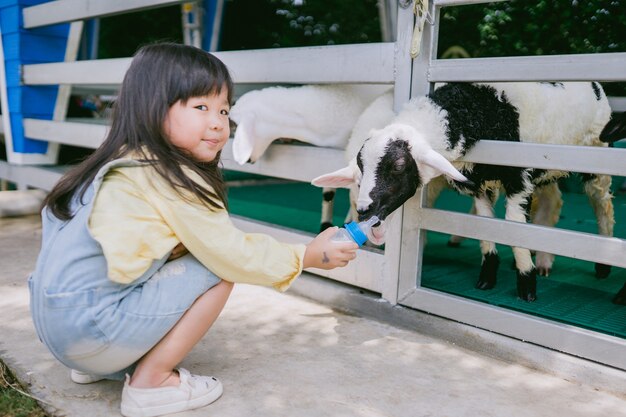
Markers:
point(43, 45)
point(21, 46)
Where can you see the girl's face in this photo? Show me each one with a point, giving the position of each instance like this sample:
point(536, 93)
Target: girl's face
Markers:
point(199, 126)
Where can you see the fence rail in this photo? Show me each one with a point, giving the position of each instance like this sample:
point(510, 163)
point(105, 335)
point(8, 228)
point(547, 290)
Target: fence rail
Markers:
point(63, 11)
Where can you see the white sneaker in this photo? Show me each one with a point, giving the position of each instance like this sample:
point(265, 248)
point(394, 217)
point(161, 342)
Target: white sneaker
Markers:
point(80, 377)
point(193, 392)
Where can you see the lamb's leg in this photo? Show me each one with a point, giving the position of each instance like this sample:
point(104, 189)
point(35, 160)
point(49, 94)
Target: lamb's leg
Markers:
point(526, 272)
point(491, 260)
point(328, 202)
point(455, 241)
point(433, 190)
point(545, 210)
point(598, 189)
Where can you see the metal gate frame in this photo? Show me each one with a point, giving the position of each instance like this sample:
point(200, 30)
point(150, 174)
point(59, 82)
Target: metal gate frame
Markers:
point(410, 237)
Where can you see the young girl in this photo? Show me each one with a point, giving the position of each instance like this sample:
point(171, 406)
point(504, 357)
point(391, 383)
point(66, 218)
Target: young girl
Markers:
point(138, 253)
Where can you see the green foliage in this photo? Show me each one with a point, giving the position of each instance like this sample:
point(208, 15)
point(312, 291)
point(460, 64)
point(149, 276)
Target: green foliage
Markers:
point(516, 27)
point(535, 27)
point(122, 35)
point(255, 24)
point(14, 403)
point(250, 24)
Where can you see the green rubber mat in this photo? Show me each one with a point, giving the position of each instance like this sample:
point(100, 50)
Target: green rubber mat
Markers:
point(570, 295)
point(294, 205)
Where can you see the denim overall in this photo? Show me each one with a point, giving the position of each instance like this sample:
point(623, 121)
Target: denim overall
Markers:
point(91, 323)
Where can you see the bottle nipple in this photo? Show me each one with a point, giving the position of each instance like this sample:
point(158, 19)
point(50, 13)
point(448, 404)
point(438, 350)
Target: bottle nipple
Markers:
point(358, 231)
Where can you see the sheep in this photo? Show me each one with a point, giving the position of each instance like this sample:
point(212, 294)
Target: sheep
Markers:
point(377, 114)
point(546, 200)
point(321, 115)
point(428, 137)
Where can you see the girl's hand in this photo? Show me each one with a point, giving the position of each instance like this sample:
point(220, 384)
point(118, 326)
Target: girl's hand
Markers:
point(324, 253)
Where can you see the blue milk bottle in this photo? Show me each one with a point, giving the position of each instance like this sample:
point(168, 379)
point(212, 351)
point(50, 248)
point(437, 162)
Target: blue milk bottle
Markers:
point(356, 232)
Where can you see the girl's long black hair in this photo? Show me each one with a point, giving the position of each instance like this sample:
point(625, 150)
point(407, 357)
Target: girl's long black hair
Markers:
point(159, 76)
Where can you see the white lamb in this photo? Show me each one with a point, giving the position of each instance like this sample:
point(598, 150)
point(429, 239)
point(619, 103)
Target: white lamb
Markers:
point(321, 115)
point(427, 138)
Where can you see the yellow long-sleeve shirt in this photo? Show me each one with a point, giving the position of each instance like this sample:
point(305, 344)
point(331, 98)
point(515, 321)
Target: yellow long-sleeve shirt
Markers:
point(138, 218)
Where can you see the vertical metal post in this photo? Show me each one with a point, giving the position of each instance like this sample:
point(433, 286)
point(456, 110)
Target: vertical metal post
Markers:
point(413, 238)
point(388, 16)
point(402, 93)
point(213, 13)
point(94, 37)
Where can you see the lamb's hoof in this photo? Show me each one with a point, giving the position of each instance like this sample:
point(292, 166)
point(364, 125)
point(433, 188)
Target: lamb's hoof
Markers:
point(325, 226)
point(488, 272)
point(544, 272)
point(485, 284)
point(602, 271)
point(620, 297)
point(527, 285)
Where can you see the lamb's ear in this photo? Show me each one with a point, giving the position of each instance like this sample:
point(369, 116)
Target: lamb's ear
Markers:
point(342, 178)
point(435, 160)
point(243, 142)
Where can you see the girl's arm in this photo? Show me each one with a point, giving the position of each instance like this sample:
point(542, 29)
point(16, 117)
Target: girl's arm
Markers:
point(320, 253)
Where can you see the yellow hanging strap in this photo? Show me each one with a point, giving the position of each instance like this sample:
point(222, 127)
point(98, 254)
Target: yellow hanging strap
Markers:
point(420, 9)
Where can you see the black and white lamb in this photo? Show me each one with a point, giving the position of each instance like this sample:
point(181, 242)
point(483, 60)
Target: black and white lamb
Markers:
point(320, 115)
point(379, 113)
point(428, 137)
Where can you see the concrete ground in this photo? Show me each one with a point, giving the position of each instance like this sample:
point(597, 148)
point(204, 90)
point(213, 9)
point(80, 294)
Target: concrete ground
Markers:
point(286, 355)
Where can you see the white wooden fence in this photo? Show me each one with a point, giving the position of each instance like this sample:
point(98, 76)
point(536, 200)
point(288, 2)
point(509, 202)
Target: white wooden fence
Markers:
point(395, 274)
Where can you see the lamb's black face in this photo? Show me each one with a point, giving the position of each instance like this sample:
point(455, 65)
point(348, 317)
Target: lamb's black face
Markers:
point(395, 179)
